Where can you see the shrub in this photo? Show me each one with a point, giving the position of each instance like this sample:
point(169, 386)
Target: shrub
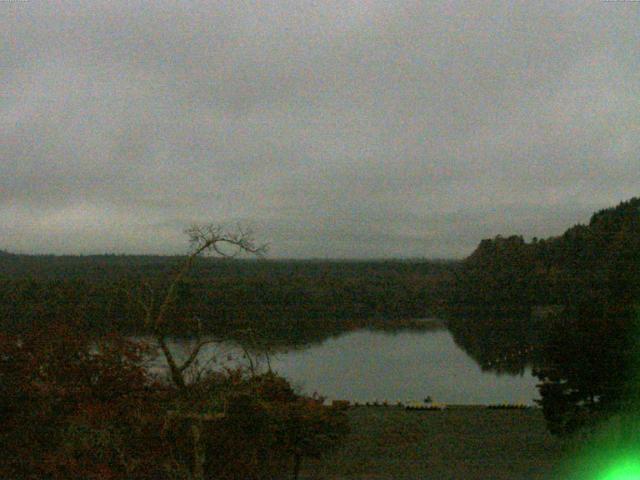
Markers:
point(75, 407)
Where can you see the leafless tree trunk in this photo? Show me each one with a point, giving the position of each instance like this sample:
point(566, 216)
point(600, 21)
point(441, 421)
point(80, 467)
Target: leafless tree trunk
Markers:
point(204, 239)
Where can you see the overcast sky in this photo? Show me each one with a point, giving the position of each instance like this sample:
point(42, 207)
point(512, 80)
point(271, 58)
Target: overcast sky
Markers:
point(336, 128)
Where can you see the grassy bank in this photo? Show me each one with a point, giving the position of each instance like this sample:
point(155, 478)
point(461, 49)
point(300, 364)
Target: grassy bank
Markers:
point(458, 443)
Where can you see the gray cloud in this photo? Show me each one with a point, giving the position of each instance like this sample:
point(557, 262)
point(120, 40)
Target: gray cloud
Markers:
point(358, 128)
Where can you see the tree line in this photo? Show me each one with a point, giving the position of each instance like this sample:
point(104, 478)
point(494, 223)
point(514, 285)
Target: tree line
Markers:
point(219, 295)
point(590, 268)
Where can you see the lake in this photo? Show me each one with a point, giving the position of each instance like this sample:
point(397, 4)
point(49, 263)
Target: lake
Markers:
point(369, 365)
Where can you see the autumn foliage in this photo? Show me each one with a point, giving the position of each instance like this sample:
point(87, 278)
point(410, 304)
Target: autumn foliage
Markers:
point(73, 408)
point(78, 407)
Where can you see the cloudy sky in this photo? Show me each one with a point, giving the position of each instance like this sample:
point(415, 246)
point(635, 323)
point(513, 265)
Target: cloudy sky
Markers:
point(336, 128)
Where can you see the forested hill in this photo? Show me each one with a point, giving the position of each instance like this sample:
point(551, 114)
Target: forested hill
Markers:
point(102, 291)
point(594, 267)
point(88, 266)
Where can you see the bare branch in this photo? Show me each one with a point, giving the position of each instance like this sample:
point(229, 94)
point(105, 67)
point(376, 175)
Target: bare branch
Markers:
point(176, 373)
point(194, 354)
point(210, 238)
point(204, 239)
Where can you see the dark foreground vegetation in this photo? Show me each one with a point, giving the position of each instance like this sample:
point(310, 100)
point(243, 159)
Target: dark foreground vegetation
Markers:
point(71, 409)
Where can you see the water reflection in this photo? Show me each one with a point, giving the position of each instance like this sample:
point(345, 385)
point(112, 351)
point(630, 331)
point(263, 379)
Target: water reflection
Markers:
point(502, 345)
point(396, 365)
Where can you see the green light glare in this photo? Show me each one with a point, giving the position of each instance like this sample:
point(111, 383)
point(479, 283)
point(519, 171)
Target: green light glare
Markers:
point(611, 453)
point(612, 450)
point(624, 469)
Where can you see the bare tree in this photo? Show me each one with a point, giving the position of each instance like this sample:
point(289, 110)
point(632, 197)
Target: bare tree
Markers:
point(207, 239)
point(204, 239)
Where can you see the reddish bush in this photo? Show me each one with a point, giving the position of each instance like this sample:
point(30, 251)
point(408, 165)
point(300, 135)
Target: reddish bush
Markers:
point(73, 407)
point(266, 428)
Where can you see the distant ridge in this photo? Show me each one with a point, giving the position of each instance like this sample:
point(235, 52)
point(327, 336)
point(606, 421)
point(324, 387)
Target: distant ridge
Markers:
point(163, 257)
point(595, 267)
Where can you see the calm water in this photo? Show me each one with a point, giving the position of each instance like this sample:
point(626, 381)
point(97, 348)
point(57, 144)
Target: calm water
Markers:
point(372, 365)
